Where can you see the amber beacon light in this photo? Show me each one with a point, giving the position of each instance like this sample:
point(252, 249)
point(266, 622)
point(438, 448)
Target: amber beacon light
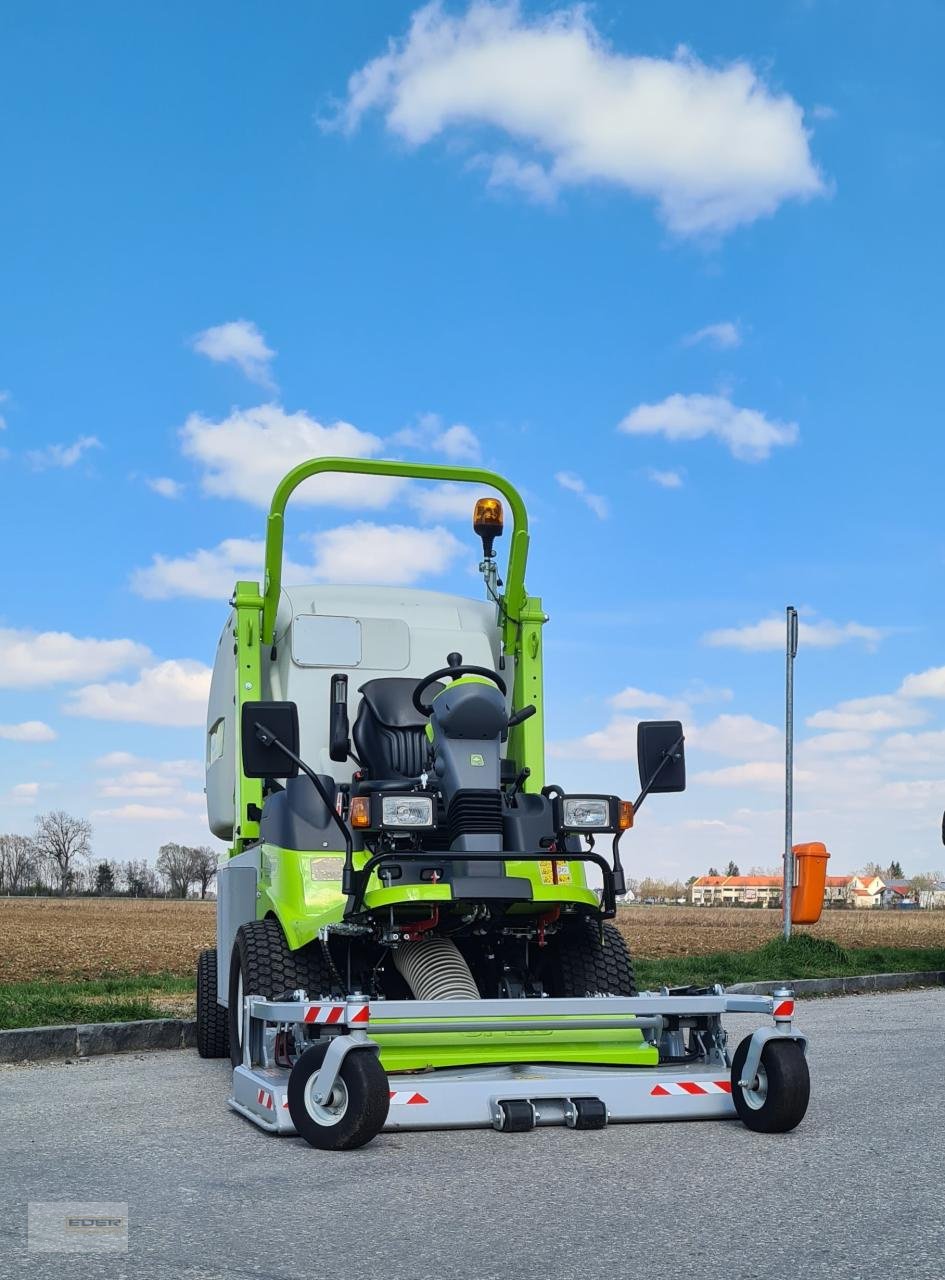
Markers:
point(487, 522)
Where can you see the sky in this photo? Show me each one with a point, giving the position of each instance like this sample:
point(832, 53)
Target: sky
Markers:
point(676, 271)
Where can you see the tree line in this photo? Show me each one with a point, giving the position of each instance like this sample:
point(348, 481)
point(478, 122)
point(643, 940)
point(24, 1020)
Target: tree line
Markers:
point(58, 858)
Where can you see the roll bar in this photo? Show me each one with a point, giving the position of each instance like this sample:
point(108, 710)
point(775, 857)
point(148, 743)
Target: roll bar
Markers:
point(275, 525)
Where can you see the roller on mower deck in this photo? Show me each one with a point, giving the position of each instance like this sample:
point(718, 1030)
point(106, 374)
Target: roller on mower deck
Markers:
point(413, 929)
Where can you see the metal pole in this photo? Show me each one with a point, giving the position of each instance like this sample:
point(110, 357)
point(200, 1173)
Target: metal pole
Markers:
point(791, 648)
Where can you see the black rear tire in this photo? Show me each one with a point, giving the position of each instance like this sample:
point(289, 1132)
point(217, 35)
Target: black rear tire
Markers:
point(778, 1101)
point(585, 965)
point(263, 965)
point(213, 1036)
point(357, 1108)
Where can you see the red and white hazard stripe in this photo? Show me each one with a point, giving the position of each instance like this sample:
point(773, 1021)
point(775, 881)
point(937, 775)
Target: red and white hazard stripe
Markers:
point(785, 1009)
point(690, 1087)
point(264, 1098)
point(407, 1097)
point(330, 1014)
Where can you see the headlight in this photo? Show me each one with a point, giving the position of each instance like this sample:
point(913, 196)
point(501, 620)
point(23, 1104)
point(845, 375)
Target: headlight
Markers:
point(407, 811)
point(586, 813)
point(589, 813)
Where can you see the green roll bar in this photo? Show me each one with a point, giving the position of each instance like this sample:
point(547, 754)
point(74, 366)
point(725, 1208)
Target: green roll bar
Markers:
point(514, 594)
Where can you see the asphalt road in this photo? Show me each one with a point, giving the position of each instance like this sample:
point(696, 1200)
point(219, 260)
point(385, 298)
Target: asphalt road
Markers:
point(857, 1191)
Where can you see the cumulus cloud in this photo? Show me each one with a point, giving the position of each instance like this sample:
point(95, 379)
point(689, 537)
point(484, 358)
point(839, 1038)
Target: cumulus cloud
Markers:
point(869, 715)
point(925, 684)
point(770, 633)
point(737, 736)
point(715, 147)
point(746, 433)
point(170, 693)
point(138, 778)
point(395, 555)
point(722, 336)
point(165, 486)
point(246, 455)
point(574, 484)
point(526, 177)
point(666, 479)
point(28, 731)
point(238, 342)
point(31, 659)
point(62, 455)
point(457, 443)
point(766, 775)
point(24, 792)
point(139, 813)
point(205, 574)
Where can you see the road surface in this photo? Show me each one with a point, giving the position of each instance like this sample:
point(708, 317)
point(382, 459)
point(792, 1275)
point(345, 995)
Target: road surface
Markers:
point(857, 1191)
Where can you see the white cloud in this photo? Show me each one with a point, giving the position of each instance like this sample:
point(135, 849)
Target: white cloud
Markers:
point(31, 659)
point(841, 740)
point(204, 574)
point(147, 779)
point(28, 731)
point(715, 825)
point(869, 715)
point(457, 443)
point(737, 736)
point(770, 634)
point(527, 177)
point(24, 792)
point(165, 486)
point(766, 775)
point(247, 454)
point(822, 111)
point(633, 699)
point(714, 146)
point(62, 455)
point(139, 813)
point(723, 336)
point(666, 479)
point(925, 684)
point(238, 342)
point(746, 433)
point(574, 484)
point(389, 554)
point(171, 693)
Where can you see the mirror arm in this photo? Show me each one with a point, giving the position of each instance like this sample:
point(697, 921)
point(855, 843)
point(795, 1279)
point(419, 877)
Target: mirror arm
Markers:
point(620, 880)
point(269, 739)
point(667, 756)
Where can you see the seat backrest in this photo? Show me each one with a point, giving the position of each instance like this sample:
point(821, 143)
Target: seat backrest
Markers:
point(389, 732)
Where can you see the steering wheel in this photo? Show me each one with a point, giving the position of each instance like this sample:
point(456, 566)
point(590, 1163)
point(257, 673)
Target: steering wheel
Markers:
point(456, 669)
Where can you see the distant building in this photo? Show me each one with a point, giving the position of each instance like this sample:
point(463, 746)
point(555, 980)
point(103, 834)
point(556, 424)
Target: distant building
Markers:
point(866, 890)
point(897, 893)
point(765, 891)
point(934, 897)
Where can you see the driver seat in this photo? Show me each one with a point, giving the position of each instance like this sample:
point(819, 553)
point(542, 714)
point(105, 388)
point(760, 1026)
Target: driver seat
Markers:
point(390, 733)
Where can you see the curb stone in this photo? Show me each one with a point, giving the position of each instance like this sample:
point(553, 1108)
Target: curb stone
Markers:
point(857, 984)
point(31, 1044)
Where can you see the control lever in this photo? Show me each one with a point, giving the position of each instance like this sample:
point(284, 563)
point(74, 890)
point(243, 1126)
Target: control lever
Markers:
point(524, 714)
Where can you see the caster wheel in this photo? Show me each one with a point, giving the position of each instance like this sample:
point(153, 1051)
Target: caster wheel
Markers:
point(776, 1100)
point(355, 1111)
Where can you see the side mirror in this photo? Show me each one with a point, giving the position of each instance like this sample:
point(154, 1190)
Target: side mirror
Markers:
point(339, 734)
point(266, 727)
point(943, 828)
point(661, 756)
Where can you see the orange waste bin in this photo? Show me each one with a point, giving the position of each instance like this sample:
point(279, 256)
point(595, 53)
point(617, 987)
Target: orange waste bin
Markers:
point(807, 899)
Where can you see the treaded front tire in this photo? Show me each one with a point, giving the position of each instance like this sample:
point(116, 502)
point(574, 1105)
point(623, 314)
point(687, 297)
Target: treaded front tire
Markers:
point(213, 1036)
point(357, 1108)
point(778, 1101)
point(585, 965)
point(263, 965)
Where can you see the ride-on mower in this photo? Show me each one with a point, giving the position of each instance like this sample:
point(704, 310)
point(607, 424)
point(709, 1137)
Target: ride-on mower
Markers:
point(413, 928)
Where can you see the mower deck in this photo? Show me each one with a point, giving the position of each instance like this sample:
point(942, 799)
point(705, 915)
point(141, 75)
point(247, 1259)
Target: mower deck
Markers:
point(520, 1096)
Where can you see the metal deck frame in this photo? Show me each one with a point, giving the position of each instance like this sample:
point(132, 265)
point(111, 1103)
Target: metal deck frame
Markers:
point(470, 1097)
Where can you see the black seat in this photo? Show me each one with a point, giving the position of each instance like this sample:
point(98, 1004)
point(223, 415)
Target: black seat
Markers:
point(389, 732)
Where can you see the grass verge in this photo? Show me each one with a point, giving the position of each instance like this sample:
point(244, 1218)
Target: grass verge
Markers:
point(52, 1002)
point(47, 1003)
point(802, 957)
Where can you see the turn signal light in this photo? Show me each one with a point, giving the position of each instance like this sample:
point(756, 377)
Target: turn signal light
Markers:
point(359, 815)
point(625, 815)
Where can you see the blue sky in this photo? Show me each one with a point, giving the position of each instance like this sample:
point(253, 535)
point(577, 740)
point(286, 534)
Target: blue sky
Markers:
point(718, 227)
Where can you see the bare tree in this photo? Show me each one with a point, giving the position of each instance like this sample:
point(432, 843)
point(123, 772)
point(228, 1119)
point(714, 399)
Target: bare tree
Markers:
point(139, 879)
point(176, 864)
point(17, 862)
point(61, 839)
point(205, 867)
